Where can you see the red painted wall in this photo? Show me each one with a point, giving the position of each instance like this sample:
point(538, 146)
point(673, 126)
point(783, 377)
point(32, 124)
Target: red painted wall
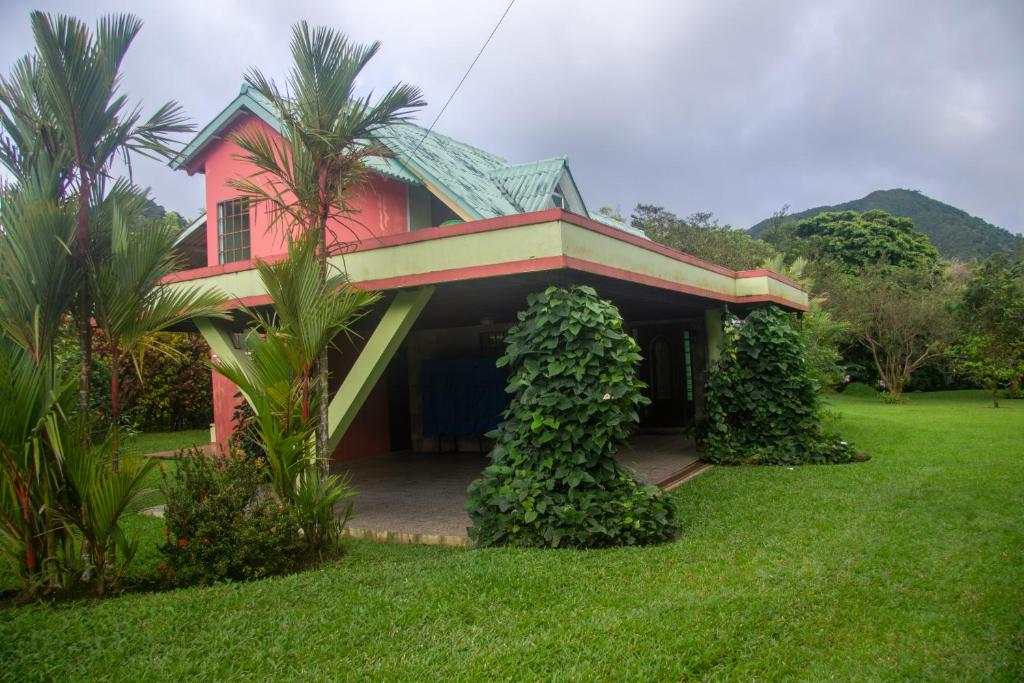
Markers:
point(369, 433)
point(380, 207)
point(223, 406)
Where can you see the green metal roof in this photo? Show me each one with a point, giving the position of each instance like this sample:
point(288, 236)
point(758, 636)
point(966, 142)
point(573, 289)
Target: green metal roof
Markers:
point(530, 185)
point(482, 184)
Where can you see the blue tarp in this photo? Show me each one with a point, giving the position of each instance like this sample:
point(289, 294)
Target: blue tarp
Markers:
point(462, 397)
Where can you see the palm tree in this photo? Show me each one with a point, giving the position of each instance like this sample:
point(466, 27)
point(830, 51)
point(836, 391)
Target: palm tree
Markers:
point(131, 306)
point(38, 280)
point(306, 176)
point(309, 315)
point(30, 408)
point(68, 94)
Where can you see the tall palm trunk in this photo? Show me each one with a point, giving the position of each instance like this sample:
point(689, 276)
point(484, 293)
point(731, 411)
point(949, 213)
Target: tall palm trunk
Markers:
point(115, 404)
point(84, 311)
point(322, 430)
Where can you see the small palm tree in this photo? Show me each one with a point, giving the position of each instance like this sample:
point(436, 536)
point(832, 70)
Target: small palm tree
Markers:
point(307, 175)
point(309, 315)
point(63, 103)
point(131, 306)
point(30, 410)
point(97, 496)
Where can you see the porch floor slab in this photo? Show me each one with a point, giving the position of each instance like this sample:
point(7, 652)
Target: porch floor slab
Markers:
point(424, 495)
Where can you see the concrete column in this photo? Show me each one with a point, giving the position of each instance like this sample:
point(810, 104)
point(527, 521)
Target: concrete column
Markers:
point(374, 357)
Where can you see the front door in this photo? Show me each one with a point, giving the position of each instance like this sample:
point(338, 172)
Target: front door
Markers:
point(667, 369)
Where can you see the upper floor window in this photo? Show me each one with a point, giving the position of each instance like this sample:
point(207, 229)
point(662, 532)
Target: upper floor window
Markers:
point(558, 199)
point(233, 230)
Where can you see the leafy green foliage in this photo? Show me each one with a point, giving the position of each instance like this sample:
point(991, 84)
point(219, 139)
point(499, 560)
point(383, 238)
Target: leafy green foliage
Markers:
point(310, 313)
point(553, 479)
point(245, 438)
point(873, 238)
point(31, 401)
point(763, 406)
point(700, 235)
point(97, 497)
point(170, 390)
point(954, 232)
point(221, 525)
point(316, 499)
point(991, 313)
point(902, 316)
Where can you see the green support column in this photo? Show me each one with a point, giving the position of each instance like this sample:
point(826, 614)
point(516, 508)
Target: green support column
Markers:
point(713, 330)
point(373, 359)
point(218, 335)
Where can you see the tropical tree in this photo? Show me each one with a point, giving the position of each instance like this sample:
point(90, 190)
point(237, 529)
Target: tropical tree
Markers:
point(903, 317)
point(700, 235)
point(62, 103)
point(38, 280)
point(130, 305)
point(99, 492)
point(861, 240)
point(306, 175)
point(991, 315)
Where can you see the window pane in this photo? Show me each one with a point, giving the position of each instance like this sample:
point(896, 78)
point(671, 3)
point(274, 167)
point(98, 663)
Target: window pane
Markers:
point(233, 230)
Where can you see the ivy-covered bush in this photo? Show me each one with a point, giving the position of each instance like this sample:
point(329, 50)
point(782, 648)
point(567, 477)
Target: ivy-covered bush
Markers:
point(553, 479)
point(763, 407)
point(223, 523)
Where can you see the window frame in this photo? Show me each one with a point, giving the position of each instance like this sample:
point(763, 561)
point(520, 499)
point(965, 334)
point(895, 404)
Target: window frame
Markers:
point(234, 230)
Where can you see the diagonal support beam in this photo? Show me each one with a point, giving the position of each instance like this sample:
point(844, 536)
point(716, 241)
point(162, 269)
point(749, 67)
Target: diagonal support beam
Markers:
point(218, 335)
point(380, 348)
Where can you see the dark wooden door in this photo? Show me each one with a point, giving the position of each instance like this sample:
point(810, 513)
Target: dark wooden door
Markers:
point(667, 369)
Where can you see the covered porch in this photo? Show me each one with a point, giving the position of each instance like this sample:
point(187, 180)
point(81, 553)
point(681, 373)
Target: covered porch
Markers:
point(414, 394)
point(421, 498)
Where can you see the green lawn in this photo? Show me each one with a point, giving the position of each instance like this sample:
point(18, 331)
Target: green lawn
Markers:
point(910, 566)
point(158, 442)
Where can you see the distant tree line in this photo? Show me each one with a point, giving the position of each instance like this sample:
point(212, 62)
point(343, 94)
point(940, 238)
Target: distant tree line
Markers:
point(886, 308)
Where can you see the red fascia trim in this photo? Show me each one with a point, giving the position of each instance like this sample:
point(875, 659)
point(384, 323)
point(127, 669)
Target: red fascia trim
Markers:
point(440, 276)
point(488, 225)
point(630, 276)
point(538, 265)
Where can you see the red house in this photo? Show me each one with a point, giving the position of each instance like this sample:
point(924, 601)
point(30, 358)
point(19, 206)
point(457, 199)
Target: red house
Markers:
point(456, 238)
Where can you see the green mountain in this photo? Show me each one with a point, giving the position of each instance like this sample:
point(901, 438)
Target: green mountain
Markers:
point(953, 231)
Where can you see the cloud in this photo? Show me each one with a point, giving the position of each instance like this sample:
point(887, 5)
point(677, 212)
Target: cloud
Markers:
point(733, 107)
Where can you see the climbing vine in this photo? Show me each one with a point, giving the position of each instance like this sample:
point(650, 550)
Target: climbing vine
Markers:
point(553, 479)
point(763, 407)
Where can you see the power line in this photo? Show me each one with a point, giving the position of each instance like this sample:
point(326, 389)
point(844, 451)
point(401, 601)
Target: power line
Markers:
point(463, 80)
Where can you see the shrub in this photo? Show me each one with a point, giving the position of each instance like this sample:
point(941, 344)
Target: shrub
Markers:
point(245, 437)
point(762, 405)
point(860, 389)
point(553, 479)
point(222, 524)
point(174, 390)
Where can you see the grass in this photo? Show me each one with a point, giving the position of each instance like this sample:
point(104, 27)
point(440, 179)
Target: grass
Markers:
point(908, 566)
point(159, 442)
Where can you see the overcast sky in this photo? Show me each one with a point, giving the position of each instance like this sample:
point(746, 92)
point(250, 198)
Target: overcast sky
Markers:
point(713, 105)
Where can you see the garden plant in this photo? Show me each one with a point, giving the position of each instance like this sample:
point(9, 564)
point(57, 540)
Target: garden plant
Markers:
point(553, 478)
